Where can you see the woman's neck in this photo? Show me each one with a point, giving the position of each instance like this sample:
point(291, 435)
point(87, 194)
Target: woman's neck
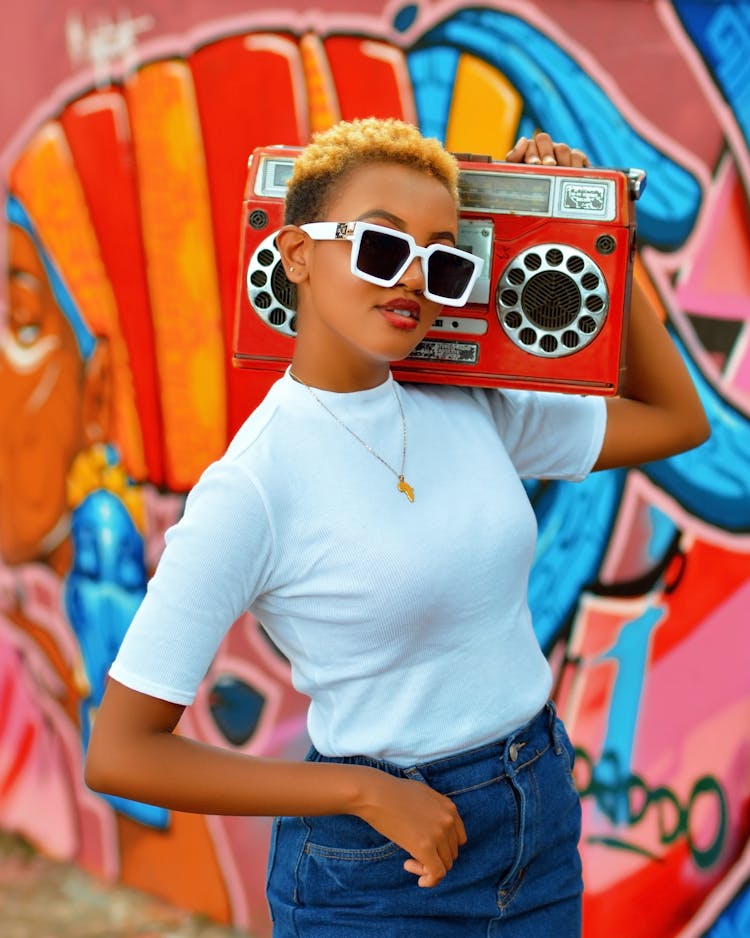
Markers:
point(343, 378)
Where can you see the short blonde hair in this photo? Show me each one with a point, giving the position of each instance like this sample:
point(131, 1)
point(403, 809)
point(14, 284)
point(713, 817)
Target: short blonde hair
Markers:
point(327, 161)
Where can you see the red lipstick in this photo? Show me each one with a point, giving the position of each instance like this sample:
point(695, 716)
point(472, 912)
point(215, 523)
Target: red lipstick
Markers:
point(401, 313)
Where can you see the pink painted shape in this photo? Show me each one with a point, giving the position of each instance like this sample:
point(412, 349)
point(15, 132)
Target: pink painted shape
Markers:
point(677, 745)
point(627, 555)
point(36, 779)
point(717, 282)
point(682, 734)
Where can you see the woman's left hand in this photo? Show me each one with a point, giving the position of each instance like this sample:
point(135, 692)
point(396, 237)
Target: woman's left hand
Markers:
point(542, 149)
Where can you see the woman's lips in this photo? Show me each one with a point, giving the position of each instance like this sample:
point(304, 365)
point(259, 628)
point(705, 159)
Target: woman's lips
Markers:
point(403, 314)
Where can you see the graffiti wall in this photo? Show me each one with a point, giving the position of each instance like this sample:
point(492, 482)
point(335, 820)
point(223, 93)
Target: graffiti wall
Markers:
point(124, 139)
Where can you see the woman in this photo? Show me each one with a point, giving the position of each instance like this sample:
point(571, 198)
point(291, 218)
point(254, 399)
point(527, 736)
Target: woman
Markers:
point(382, 535)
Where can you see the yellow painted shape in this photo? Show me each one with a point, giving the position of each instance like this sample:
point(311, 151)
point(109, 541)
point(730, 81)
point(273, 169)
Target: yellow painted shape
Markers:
point(181, 269)
point(485, 110)
point(92, 472)
point(323, 102)
point(45, 180)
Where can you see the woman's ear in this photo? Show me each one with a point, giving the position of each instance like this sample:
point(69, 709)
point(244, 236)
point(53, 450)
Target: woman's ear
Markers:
point(294, 246)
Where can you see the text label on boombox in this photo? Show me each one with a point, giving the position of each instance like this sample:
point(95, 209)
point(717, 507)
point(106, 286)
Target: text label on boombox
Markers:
point(549, 311)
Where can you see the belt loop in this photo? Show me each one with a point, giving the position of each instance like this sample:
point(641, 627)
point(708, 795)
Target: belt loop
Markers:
point(552, 715)
point(414, 774)
point(554, 728)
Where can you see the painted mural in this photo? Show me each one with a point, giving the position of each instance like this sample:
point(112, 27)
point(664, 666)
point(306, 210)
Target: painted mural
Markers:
point(122, 198)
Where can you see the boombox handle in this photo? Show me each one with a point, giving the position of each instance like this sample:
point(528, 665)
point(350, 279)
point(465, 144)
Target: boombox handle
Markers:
point(636, 182)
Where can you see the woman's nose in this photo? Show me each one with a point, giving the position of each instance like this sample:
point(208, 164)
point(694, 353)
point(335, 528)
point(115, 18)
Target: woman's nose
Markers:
point(413, 278)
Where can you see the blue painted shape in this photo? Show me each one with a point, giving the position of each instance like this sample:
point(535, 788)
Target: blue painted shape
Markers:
point(721, 32)
point(106, 583)
point(236, 708)
point(631, 652)
point(18, 216)
point(405, 17)
point(661, 535)
point(433, 74)
point(734, 921)
point(711, 481)
point(562, 99)
point(101, 594)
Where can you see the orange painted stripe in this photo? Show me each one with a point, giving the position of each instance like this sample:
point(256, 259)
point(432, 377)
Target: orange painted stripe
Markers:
point(323, 102)
point(180, 265)
point(98, 133)
point(45, 180)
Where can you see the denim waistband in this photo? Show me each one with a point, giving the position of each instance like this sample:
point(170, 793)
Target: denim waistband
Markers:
point(519, 748)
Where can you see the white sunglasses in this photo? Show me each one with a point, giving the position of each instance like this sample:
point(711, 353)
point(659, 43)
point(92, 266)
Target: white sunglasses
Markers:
point(381, 255)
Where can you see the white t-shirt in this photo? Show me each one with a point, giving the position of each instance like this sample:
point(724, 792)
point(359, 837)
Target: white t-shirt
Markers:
point(407, 624)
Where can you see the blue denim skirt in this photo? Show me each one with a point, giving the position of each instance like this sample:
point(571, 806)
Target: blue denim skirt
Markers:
point(518, 875)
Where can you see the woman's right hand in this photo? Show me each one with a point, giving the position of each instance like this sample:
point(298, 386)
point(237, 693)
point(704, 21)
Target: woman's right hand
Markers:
point(420, 820)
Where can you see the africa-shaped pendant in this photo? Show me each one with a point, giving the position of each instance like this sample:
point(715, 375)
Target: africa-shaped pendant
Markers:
point(403, 486)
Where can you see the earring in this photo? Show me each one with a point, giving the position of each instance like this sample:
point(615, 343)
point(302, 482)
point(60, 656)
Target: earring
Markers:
point(291, 270)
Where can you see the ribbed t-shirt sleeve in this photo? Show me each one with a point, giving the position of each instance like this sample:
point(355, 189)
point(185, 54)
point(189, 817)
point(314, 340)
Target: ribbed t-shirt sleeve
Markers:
point(217, 559)
point(548, 435)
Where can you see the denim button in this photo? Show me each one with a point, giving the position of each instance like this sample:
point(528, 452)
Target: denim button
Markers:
point(514, 749)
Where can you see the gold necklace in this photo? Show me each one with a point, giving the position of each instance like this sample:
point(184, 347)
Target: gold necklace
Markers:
point(402, 485)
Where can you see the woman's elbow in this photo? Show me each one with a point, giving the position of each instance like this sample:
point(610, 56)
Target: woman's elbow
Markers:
point(97, 767)
point(94, 778)
point(125, 746)
point(108, 756)
point(697, 430)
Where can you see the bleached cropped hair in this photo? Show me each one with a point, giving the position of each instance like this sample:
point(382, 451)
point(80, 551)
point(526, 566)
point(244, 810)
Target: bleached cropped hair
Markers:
point(332, 154)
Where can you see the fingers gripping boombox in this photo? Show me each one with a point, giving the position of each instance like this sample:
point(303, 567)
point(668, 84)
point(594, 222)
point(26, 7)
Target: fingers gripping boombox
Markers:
point(549, 310)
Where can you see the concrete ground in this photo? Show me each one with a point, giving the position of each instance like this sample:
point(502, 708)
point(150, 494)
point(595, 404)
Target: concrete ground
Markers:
point(40, 898)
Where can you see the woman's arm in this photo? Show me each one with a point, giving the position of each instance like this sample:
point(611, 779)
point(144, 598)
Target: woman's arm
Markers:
point(659, 412)
point(135, 753)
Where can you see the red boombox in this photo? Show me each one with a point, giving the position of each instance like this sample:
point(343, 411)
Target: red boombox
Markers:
point(548, 312)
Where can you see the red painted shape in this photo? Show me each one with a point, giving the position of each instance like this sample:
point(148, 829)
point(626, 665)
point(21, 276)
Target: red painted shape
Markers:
point(250, 92)
point(368, 83)
point(98, 134)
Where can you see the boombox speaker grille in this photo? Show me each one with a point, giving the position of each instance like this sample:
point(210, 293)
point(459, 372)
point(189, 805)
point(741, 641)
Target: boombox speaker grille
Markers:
point(552, 300)
point(272, 296)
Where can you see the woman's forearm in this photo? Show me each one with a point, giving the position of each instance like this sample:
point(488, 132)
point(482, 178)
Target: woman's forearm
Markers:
point(185, 775)
point(135, 753)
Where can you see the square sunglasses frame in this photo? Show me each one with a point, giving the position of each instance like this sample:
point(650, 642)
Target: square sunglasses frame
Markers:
point(354, 230)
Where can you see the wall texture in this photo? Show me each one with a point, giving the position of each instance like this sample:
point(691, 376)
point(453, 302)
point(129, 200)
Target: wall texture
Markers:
point(124, 142)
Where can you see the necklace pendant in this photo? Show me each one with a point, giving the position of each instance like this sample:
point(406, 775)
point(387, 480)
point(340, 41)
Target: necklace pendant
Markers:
point(403, 486)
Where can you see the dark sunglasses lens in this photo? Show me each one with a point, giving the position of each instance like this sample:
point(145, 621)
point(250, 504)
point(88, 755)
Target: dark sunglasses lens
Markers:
point(448, 274)
point(381, 255)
